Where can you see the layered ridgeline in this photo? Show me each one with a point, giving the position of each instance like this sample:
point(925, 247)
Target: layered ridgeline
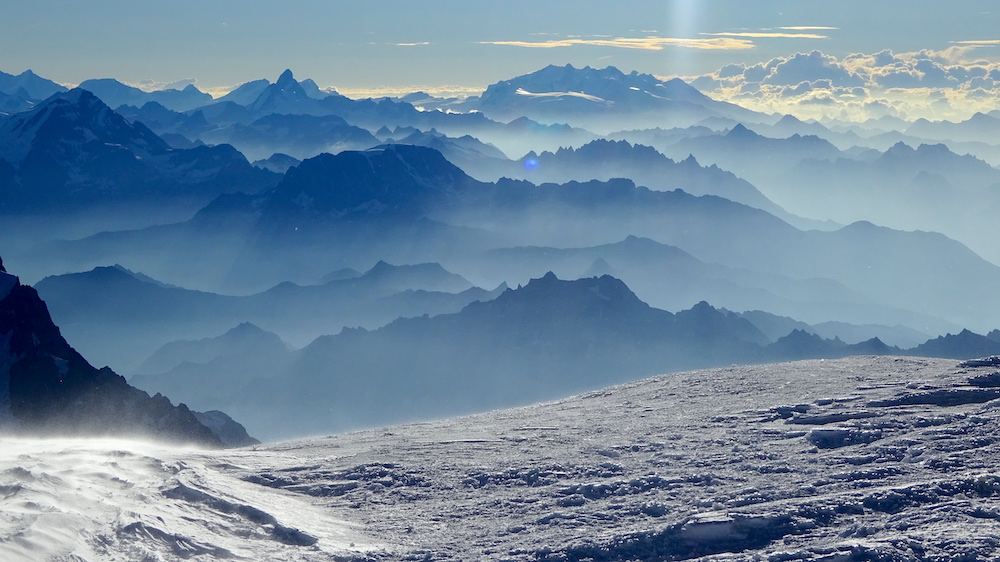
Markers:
point(408, 204)
point(913, 185)
point(541, 341)
point(119, 317)
point(48, 389)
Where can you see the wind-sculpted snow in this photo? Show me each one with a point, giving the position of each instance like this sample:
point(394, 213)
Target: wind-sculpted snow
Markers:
point(720, 465)
point(124, 501)
point(842, 460)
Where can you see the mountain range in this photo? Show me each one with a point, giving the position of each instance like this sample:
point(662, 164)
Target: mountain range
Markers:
point(73, 154)
point(919, 187)
point(603, 160)
point(120, 317)
point(404, 202)
point(602, 100)
point(624, 177)
point(312, 264)
point(527, 344)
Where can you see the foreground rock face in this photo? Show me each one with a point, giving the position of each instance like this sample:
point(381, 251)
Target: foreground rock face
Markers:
point(47, 388)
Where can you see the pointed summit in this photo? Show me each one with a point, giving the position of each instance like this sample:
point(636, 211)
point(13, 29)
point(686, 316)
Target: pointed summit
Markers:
point(285, 97)
point(739, 131)
point(286, 79)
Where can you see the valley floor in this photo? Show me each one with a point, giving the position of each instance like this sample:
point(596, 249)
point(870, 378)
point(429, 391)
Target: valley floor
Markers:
point(862, 458)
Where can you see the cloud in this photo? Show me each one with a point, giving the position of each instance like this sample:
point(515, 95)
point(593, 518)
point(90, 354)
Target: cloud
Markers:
point(581, 95)
point(768, 35)
point(412, 44)
point(949, 84)
point(808, 28)
point(984, 43)
point(811, 67)
point(150, 85)
point(442, 91)
point(641, 43)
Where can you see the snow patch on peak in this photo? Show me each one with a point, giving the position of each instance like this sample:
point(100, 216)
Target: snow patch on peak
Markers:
point(526, 93)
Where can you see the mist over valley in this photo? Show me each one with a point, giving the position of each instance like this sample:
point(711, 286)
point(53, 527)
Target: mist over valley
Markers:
point(678, 327)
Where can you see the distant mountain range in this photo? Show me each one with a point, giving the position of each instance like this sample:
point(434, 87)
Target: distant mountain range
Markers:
point(603, 100)
point(604, 160)
point(115, 94)
point(30, 85)
point(622, 180)
point(542, 340)
point(21, 92)
point(669, 278)
point(545, 339)
point(73, 151)
point(928, 187)
point(408, 203)
point(120, 317)
point(300, 136)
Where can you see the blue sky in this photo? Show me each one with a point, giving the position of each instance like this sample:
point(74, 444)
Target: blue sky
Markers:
point(466, 44)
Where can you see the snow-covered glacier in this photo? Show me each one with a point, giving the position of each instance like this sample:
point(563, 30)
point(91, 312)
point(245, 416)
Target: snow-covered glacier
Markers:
point(864, 458)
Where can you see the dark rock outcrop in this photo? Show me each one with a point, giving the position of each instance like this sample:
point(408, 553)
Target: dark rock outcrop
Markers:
point(48, 389)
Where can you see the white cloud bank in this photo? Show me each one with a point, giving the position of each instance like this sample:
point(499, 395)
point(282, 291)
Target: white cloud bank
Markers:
point(948, 84)
point(640, 43)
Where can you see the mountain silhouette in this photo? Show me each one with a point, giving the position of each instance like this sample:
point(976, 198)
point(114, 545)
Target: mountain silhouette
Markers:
point(114, 94)
point(121, 317)
point(74, 150)
point(604, 159)
point(963, 345)
point(285, 97)
point(407, 203)
point(300, 136)
point(548, 338)
point(31, 85)
point(50, 389)
point(591, 96)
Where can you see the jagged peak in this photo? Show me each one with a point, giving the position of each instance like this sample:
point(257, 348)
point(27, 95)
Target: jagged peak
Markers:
point(383, 269)
point(381, 266)
point(900, 148)
point(703, 306)
point(740, 131)
point(77, 96)
point(980, 117)
point(789, 119)
point(605, 288)
point(285, 78)
point(245, 328)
